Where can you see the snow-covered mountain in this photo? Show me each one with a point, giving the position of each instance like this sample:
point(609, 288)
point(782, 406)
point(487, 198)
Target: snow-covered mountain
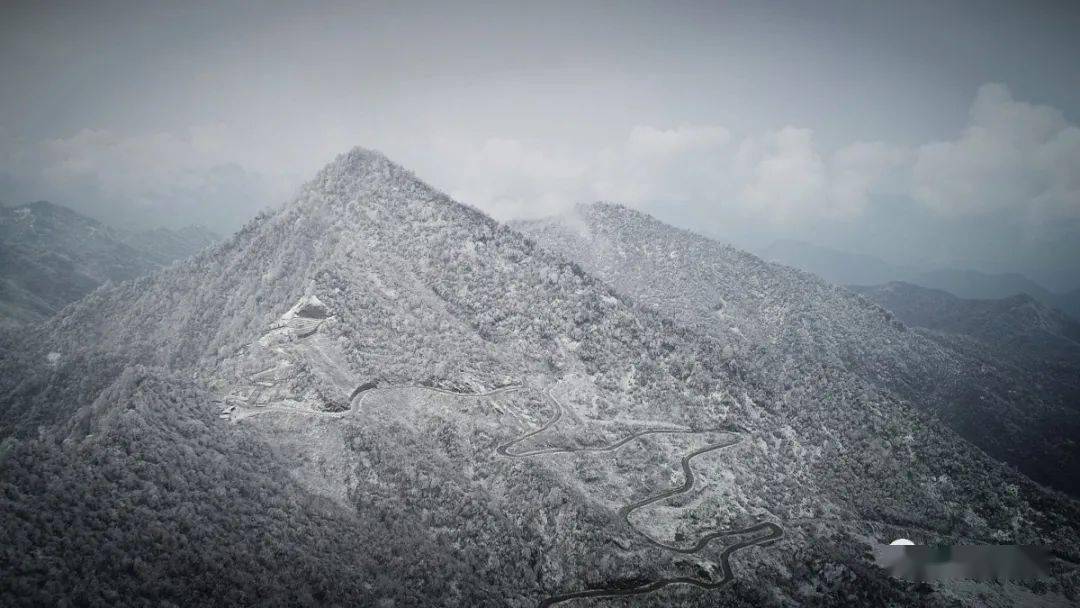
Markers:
point(378, 396)
point(786, 323)
point(51, 256)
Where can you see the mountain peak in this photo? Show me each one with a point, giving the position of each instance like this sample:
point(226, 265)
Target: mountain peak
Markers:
point(360, 154)
point(362, 162)
point(365, 178)
point(607, 208)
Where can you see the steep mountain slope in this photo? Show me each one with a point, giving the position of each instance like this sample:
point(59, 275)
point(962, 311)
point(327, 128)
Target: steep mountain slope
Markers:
point(411, 373)
point(158, 503)
point(784, 323)
point(51, 256)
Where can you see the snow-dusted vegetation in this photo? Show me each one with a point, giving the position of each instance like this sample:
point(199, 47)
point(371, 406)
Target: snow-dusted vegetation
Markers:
point(305, 415)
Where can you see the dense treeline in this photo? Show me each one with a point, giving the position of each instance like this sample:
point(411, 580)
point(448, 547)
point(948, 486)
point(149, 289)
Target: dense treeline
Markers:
point(36, 392)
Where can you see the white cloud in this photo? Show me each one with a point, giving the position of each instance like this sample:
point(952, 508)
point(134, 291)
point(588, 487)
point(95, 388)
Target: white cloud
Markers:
point(781, 174)
point(1012, 157)
point(510, 178)
point(860, 171)
point(506, 177)
point(778, 177)
point(650, 143)
point(681, 164)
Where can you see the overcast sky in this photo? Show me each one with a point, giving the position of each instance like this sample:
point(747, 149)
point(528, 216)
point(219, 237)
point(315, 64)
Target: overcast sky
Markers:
point(920, 133)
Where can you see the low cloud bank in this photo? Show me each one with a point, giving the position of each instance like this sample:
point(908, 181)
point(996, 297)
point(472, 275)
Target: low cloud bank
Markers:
point(1013, 171)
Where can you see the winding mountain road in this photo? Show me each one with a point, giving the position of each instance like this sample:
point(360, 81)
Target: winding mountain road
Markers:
point(504, 449)
point(772, 530)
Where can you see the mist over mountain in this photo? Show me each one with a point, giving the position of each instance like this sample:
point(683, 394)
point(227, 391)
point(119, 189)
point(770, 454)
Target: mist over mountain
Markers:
point(52, 256)
point(979, 286)
point(378, 396)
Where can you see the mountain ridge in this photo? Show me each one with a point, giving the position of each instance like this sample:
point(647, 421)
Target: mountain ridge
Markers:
point(939, 309)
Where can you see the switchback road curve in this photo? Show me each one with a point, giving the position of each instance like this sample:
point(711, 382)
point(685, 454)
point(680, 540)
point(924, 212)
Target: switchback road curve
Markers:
point(772, 530)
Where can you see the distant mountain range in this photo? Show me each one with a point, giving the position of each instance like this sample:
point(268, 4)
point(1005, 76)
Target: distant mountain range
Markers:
point(845, 268)
point(51, 256)
point(377, 396)
point(1019, 322)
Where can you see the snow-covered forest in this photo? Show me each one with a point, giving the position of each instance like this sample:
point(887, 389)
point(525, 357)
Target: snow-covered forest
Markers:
point(276, 419)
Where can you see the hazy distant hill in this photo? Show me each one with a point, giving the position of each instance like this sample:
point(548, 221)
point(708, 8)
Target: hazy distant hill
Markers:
point(975, 285)
point(979, 285)
point(51, 256)
point(1018, 330)
point(845, 268)
point(1020, 322)
point(376, 396)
